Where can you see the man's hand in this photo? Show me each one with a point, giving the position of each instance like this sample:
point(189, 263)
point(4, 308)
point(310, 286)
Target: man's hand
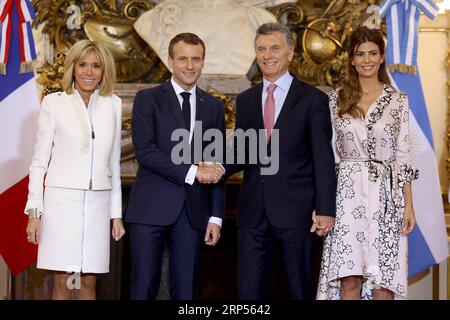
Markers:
point(212, 234)
point(209, 172)
point(321, 224)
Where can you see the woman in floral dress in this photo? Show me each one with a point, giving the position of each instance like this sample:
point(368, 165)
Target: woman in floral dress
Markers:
point(365, 255)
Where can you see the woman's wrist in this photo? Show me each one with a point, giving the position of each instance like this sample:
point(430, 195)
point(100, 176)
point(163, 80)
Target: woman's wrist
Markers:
point(34, 213)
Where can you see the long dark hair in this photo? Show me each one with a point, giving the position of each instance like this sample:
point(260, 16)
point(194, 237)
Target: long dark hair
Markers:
point(350, 93)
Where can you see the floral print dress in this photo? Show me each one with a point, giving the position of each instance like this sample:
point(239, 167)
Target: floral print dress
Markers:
point(373, 163)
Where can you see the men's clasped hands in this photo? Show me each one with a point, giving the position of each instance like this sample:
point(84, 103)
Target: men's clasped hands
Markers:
point(209, 172)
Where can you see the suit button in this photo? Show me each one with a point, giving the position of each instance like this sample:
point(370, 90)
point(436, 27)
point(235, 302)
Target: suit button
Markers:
point(262, 180)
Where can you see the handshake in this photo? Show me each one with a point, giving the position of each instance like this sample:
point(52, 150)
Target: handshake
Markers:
point(209, 172)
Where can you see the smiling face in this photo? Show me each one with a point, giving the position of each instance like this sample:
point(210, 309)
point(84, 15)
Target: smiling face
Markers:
point(88, 73)
point(186, 64)
point(273, 55)
point(367, 60)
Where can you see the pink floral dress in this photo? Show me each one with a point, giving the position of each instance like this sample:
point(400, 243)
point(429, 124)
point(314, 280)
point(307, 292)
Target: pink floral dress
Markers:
point(373, 163)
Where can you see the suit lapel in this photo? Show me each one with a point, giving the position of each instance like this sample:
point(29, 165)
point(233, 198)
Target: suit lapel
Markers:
point(199, 116)
point(292, 96)
point(199, 104)
point(173, 104)
point(82, 117)
point(258, 113)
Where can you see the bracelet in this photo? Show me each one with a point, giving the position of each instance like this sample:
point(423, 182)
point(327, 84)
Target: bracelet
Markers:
point(34, 213)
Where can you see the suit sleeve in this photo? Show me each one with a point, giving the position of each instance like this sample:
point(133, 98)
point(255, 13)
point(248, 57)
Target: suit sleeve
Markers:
point(41, 157)
point(114, 162)
point(218, 190)
point(148, 154)
point(323, 159)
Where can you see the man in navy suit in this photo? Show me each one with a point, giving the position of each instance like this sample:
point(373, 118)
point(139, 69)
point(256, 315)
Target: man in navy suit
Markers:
point(168, 205)
point(277, 208)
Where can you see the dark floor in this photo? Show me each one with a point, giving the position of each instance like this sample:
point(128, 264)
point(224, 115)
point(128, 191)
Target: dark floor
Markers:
point(217, 268)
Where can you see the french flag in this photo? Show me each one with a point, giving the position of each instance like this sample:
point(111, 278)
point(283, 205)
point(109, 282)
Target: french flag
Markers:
point(427, 244)
point(19, 106)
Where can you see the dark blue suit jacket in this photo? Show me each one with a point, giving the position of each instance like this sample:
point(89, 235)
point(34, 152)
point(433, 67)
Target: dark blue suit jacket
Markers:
point(159, 191)
point(306, 179)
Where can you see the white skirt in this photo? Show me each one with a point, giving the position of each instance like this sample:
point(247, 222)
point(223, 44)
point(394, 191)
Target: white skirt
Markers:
point(75, 231)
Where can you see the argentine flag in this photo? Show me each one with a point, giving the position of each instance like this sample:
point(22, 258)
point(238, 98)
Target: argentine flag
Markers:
point(19, 106)
point(427, 244)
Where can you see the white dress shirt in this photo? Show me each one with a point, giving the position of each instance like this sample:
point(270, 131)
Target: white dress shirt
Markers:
point(283, 84)
point(190, 177)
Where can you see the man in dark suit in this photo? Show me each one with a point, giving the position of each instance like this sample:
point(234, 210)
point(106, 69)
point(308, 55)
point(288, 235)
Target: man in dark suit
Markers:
point(276, 208)
point(167, 205)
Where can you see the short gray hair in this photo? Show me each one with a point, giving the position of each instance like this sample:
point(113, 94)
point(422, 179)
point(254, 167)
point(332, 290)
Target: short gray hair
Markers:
point(272, 27)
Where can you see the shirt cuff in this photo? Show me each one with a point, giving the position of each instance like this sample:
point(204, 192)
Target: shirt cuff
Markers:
point(190, 177)
point(223, 168)
point(216, 220)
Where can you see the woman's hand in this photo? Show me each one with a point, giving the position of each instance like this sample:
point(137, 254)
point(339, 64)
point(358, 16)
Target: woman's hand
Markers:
point(34, 230)
point(117, 229)
point(409, 221)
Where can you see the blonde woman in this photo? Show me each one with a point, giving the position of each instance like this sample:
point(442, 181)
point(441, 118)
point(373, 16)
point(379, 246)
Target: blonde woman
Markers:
point(77, 159)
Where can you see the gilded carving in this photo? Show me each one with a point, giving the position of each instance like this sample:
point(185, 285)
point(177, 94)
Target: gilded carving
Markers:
point(107, 22)
point(320, 27)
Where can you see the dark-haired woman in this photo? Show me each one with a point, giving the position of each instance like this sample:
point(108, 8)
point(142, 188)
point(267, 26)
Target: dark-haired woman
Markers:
point(365, 255)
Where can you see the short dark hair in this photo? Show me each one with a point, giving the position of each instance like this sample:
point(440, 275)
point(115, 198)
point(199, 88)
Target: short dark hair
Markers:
point(186, 37)
point(272, 27)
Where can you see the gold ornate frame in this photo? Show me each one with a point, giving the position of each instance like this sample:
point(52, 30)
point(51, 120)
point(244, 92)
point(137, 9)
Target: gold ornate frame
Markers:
point(321, 28)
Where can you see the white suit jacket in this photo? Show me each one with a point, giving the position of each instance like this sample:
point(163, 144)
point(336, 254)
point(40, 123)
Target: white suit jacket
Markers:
point(77, 149)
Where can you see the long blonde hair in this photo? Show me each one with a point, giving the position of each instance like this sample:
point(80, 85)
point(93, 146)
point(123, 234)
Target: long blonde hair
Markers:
point(78, 51)
point(350, 93)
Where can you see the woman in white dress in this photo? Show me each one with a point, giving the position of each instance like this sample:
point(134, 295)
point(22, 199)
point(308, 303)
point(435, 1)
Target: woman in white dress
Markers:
point(365, 255)
point(77, 158)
